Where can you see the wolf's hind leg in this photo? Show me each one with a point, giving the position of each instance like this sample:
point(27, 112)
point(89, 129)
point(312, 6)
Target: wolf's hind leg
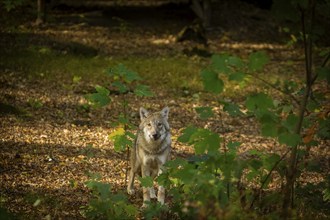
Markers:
point(146, 190)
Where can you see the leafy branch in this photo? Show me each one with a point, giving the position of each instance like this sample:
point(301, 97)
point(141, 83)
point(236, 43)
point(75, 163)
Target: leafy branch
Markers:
point(275, 87)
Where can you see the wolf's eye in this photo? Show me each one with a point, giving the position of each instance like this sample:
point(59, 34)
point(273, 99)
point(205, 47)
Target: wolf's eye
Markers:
point(160, 124)
point(149, 124)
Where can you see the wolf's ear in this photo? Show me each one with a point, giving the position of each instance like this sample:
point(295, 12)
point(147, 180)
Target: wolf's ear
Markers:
point(165, 112)
point(143, 113)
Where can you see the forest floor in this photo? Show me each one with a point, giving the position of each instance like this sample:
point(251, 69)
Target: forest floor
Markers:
point(50, 143)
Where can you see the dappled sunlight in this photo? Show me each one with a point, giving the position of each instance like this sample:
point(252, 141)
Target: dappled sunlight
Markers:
point(52, 140)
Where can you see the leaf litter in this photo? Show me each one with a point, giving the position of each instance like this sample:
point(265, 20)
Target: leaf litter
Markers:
point(52, 145)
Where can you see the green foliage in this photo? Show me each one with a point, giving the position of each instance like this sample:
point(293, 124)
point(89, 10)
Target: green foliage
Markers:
point(259, 102)
point(155, 211)
point(204, 185)
point(232, 109)
point(204, 112)
point(189, 181)
point(121, 138)
point(203, 140)
point(107, 205)
point(257, 61)
point(324, 128)
point(6, 215)
point(211, 81)
point(146, 181)
point(100, 98)
point(291, 12)
point(232, 68)
point(35, 103)
point(122, 73)
point(124, 80)
point(142, 90)
point(12, 4)
point(323, 73)
point(326, 195)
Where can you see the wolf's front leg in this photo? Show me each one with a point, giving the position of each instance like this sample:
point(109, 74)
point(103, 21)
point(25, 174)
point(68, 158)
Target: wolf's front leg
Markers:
point(161, 190)
point(130, 185)
point(161, 195)
point(146, 190)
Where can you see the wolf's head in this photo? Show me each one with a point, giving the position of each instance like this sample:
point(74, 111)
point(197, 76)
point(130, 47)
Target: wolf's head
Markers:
point(154, 125)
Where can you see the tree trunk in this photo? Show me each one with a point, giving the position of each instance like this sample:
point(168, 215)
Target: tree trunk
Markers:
point(291, 174)
point(203, 10)
point(40, 12)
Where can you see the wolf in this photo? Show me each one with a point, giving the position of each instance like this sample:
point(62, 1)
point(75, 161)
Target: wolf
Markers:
point(152, 147)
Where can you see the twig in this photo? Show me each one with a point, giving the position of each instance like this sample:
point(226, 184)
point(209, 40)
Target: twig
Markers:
point(267, 177)
point(225, 152)
point(325, 61)
point(276, 88)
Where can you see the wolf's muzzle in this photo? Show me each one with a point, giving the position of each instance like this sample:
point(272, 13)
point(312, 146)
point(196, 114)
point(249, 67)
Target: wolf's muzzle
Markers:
point(156, 136)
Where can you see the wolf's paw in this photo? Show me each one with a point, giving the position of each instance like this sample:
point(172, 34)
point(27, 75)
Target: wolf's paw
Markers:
point(130, 191)
point(152, 193)
point(145, 205)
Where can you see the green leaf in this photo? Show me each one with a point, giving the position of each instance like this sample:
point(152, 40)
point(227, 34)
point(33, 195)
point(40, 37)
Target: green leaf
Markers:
point(323, 73)
point(122, 88)
point(185, 174)
point(187, 133)
point(266, 116)
point(255, 164)
point(257, 60)
point(326, 195)
point(259, 101)
point(131, 210)
point(204, 112)
point(131, 76)
point(289, 139)
point(233, 146)
point(146, 181)
point(117, 132)
point(102, 90)
point(232, 109)
point(211, 81)
point(237, 76)
point(324, 128)
point(176, 163)
point(269, 130)
point(120, 72)
point(235, 61)
point(101, 189)
point(121, 141)
point(291, 122)
point(76, 79)
point(143, 90)
point(100, 98)
point(205, 141)
point(270, 160)
point(219, 62)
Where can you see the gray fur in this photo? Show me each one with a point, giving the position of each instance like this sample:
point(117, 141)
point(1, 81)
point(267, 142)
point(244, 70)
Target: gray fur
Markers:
point(151, 150)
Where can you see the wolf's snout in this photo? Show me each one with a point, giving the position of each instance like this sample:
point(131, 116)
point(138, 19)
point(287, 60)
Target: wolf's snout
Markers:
point(156, 136)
